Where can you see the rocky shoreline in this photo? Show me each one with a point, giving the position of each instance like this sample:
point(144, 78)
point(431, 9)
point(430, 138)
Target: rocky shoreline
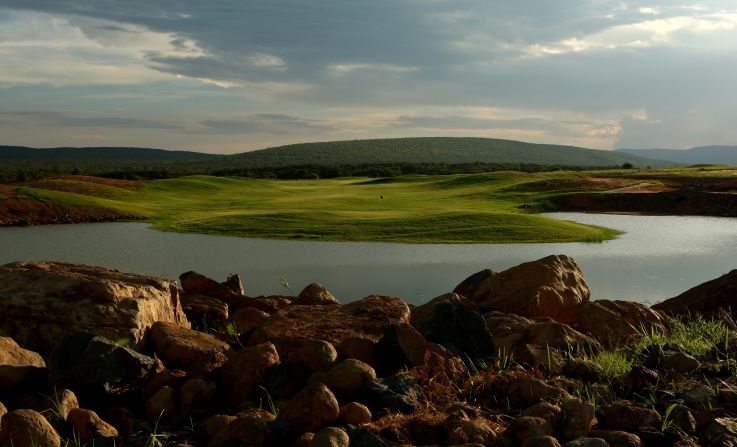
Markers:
point(91, 356)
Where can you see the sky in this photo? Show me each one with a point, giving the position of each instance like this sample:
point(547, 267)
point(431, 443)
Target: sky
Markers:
point(229, 76)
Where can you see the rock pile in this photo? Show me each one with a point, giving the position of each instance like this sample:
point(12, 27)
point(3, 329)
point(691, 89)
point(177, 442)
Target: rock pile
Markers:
point(521, 357)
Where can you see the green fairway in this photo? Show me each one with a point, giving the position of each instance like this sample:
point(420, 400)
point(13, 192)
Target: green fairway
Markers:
point(480, 208)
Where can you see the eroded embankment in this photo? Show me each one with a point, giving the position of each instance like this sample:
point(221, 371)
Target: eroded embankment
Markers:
point(681, 203)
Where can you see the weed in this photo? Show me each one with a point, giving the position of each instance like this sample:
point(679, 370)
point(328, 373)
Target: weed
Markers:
point(504, 360)
point(269, 401)
point(613, 363)
point(284, 282)
point(666, 423)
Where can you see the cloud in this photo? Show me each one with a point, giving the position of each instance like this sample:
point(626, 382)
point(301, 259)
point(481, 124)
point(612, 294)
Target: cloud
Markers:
point(265, 123)
point(56, 119)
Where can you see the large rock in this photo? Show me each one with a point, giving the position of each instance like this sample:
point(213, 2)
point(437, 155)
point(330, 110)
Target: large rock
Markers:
point(88, 426)
point(16, 364)
point(706, 299)
point(311, 409)
point(549, 287)
point(42, 302)
point(94, 366)
point(193, 351)
point(366, 319)
point(615, 322)
point(194, 283)
point(27, 428)
point(449, 321)
point(315, 294)
point(204, 312)
point(245, 370)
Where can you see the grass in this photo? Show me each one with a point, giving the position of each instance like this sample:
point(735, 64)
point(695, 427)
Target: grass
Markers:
point(614, 363)
point(482, 208)
point(696, 336)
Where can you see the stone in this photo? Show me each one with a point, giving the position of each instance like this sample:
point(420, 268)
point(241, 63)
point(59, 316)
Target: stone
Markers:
point(163, 404)
point(243, 430)
point(311, 409)
point(358, 348)
point(527, 426)
point(89, 426)
point(244, 370)
point(361, 436)
point(400, 347)
point(354, 413)
point(541, 441)
point(628, 417)
point(315, 294)
point(550, 412)
point(60, 403)
point(316, 355)
point(235, 284)
point(706, 299)
point(400, 393)
point(286, 379)
point(639, 378)
point(17, 364)
point(348, 378)
point(454, 325)
point(523, 391)
point(584, 370)
point(586, 442)
point(204, 312)
point(42, 302)
point(246, 319)
point(680, 362)
point(194, 283)
point(331, 437)
point(197, 393)
point(193, 351)
point(549, 287)
point(215, 424)
point(721, 431)
point(613, 323)
point(94, 366)
point(470, 431)
point(682, 417)
point(365, 318)
point(304, 440)
point(27, 428)
point(173, 378)
point(577, 418)
point(700, 396)
point(617, 438)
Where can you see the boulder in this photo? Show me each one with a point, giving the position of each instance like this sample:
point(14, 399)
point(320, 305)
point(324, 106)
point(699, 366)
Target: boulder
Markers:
point(27, 428)
point(311, 409)
point(244, 371)
point(193, 351)
point(204, 312)
point(618, 438)
point(42, 302)
point(244, 430)
point(197, 393)
point(17, 364)
point(330, 437)
point(163, 404)
point(400, 347)
point(472, 431)
point(400, 393)
point(540, 441)
point(316, 355)
point(358, 348)
point(354, 413)
point(577, 418)
point(615, 322)
point(448, 321)
point(88, 426)
point(348, 378)
point(721, 431)
point(366, 318)
point(627, 417)
point(315, 294)
point(549, 287)
point(94, 366)
point(194, 283)
point(60, 403)
point(706, 299)
point(528, 426)
point(246, 319)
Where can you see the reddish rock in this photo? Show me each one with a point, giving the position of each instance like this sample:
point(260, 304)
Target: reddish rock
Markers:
point(193, 351)
point(163, 404)
point(311, 409)
point(246, 319)
point(330, 437)
point(472, 432)
point(511, 332)
point(366, 318)
point(197, 394)
point(216, 424)
point(316, 355)
point(354, 413)
point(527, 426)
point(17, 363)
point(707, 299)
point(244, 430)
point(616, 438)
point(60, 403)
point(27, 428)
point(347, 378)
point(541, 441)
point(549, 287)
point(244, 371)
point(615, 322)
point(204, 311)
point(315, 294)
point(357, 348)
point(628, 417)
point(550, 412)
point(195, 284)
point(423, 312)
point(577, 418)
point(173, 378)
point(42, 302)
point(88, 425)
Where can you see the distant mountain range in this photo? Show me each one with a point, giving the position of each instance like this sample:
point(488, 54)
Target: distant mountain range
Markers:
point(720, 155)
point(356, 152)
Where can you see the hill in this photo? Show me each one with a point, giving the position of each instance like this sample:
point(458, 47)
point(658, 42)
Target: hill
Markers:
point(124, 153)
point(721, 155)
point(439, 150)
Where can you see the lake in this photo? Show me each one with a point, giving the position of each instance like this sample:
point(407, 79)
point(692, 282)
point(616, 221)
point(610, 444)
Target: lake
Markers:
point(658, 257)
